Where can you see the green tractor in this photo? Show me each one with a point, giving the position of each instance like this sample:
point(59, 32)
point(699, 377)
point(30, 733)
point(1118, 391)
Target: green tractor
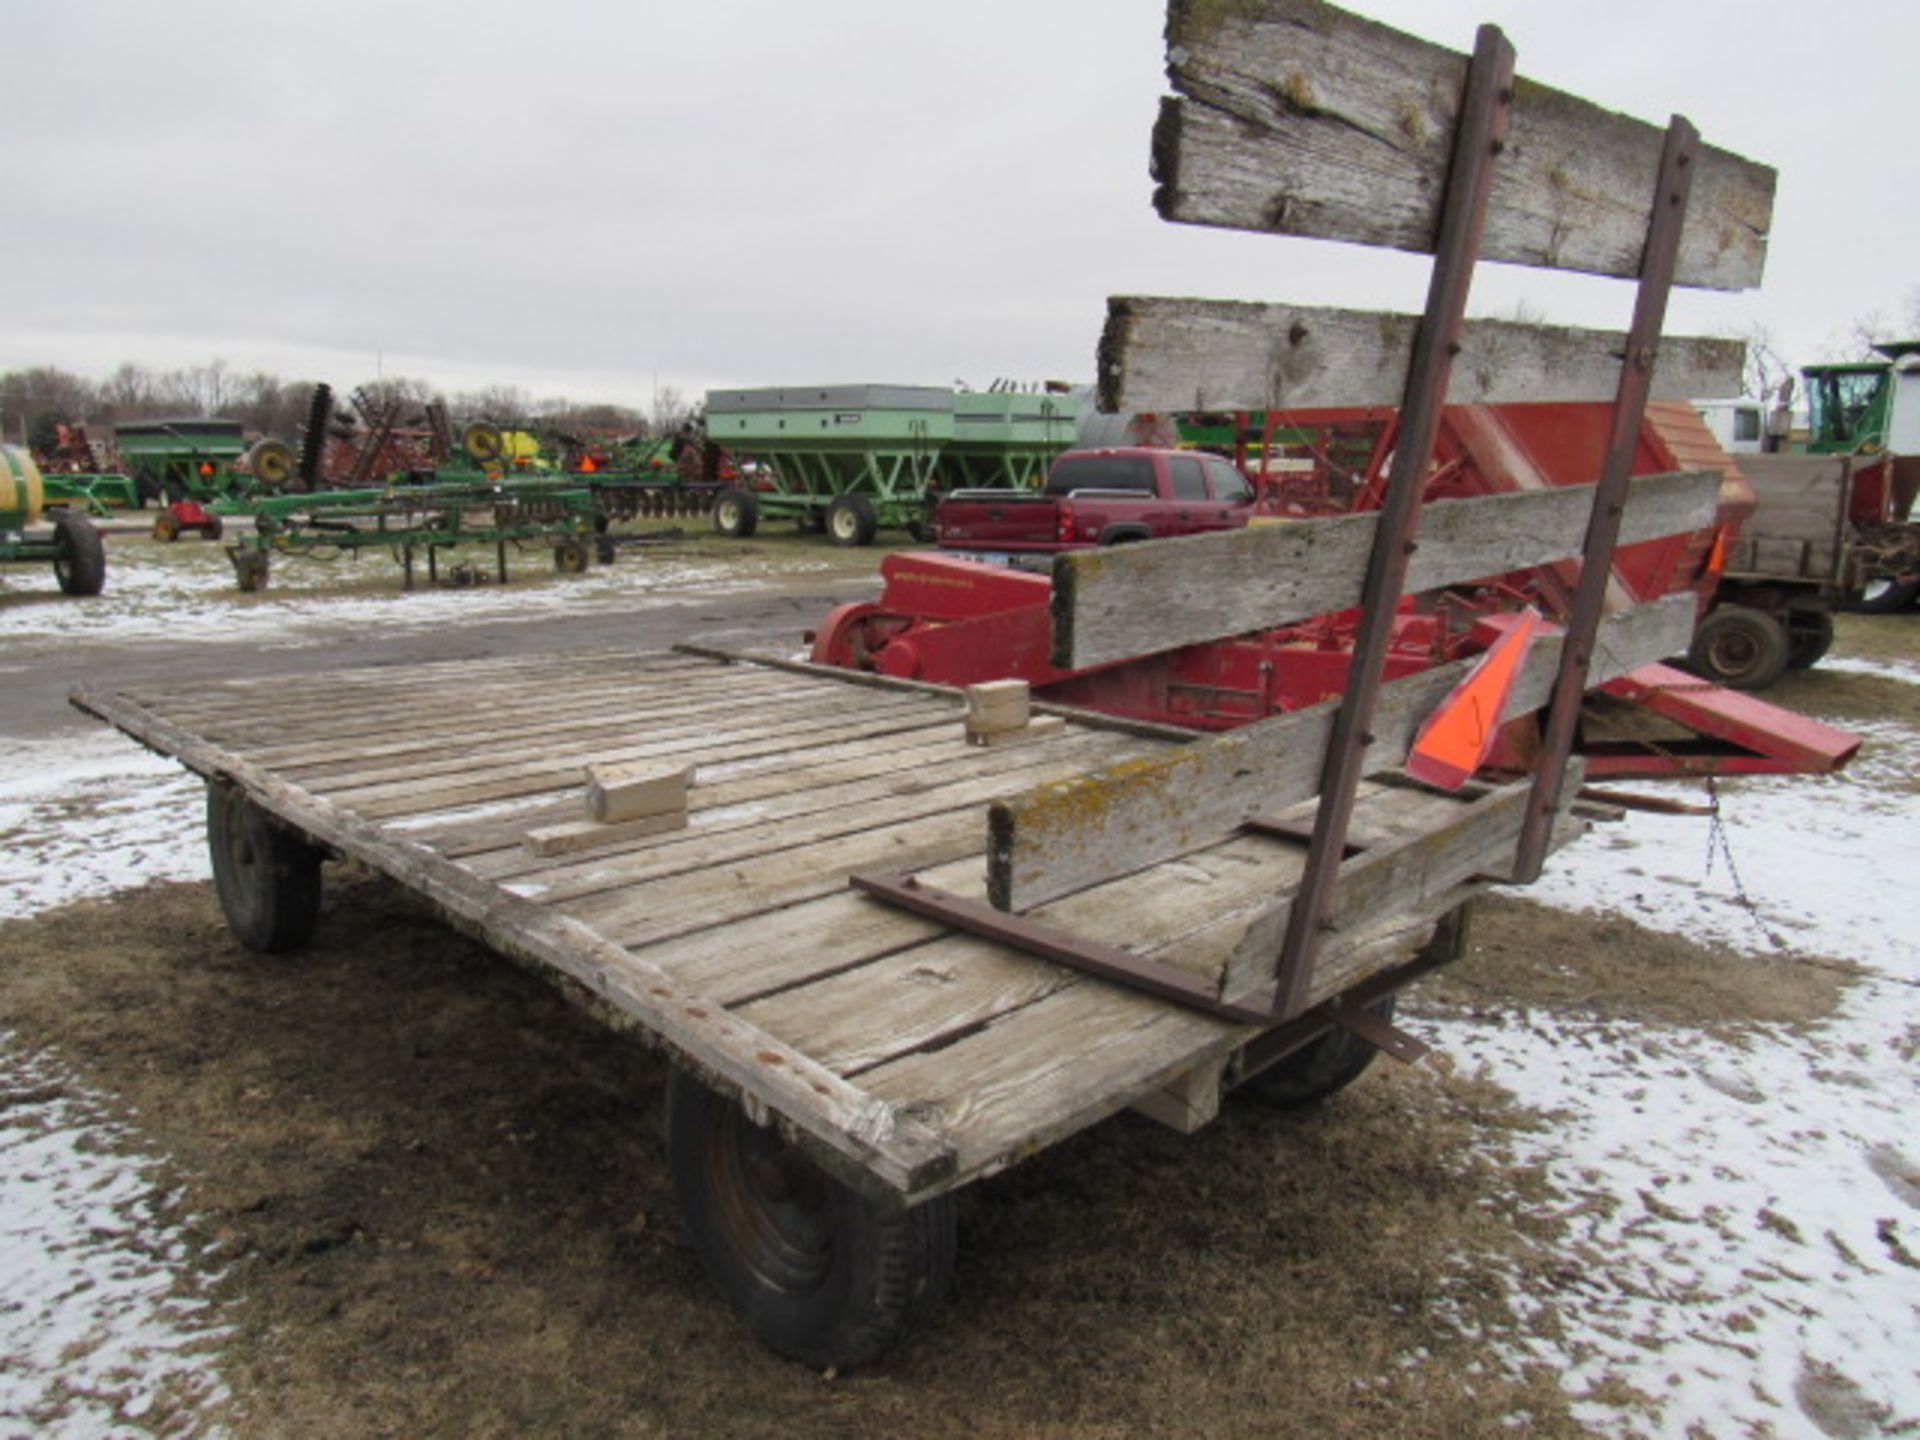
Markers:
point(1871, 409)
point(71, 543)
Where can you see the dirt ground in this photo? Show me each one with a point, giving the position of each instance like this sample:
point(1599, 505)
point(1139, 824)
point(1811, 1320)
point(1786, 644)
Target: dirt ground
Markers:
point(436, 1203)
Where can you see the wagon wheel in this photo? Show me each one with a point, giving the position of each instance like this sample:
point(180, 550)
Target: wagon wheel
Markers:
point(1740, 647)
point(268, 879)
point(1322, 1068)
point(79, 559)
point(569, 556)
point(851, 521)
point(250, 569)
point(820, 1273)
point(1809, 636)
point(736, 514)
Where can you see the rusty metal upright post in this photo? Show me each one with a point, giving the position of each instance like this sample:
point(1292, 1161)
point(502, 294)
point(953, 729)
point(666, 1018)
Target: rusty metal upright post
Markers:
point(1657, 263)
point(1477, 140)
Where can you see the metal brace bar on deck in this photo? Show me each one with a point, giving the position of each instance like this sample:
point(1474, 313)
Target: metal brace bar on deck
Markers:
point(1657, 264)
point(1478, 139)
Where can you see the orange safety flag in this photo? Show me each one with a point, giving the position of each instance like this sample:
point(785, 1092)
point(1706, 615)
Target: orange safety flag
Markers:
point(1457, 737)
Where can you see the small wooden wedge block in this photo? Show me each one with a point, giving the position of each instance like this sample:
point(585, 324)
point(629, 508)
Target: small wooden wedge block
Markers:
point(578, 835)
point(994, 706)
point(631, 792)
point(1037, 728)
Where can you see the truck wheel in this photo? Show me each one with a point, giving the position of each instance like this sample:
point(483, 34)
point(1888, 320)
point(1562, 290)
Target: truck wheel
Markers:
point(79, 559)
point(1312, 1073)
point(736, 514)
point(1883, 597)
point(1739, 647)
point(1809, 636)
point(820, 1273)
point(268, 879)
point(851, 521)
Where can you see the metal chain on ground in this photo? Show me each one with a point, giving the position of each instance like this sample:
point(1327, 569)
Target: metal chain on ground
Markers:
point(1718, 843)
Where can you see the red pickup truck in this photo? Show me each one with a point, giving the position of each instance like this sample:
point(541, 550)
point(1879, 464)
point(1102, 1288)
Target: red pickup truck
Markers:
point(1097, 497)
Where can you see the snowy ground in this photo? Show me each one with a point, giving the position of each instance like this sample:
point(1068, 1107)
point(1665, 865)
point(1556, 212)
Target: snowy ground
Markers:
point(1756, 1200)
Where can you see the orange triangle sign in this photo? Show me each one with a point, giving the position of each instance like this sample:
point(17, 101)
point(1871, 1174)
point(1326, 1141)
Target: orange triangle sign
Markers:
point(1457, 737)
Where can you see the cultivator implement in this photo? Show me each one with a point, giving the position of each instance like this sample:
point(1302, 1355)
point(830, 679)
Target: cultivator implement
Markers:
point(420, 521)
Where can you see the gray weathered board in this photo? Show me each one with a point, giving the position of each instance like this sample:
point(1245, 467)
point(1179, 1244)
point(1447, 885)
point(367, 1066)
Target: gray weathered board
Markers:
point(1065, 835)
point(1798, 529)
point(1180, 355)
point(1129, 600)
point(1297, 118)
point(907, 1057)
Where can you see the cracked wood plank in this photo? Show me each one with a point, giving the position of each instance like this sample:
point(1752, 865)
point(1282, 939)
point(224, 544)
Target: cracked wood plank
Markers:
point(1297, 118)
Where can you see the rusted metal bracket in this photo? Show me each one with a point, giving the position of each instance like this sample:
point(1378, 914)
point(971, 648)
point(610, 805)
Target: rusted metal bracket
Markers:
point(1380, 1034)
point(1136, 972)
point(1657, 265)
point(1478, 139)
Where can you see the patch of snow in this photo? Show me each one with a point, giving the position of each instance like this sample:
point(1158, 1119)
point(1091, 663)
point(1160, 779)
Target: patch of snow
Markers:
point(1885, 669)
point(103, 1319)
point(1749, 1212)
point(95, 815)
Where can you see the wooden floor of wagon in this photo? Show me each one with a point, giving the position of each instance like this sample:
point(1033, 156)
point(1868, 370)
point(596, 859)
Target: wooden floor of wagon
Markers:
point(914, 1056)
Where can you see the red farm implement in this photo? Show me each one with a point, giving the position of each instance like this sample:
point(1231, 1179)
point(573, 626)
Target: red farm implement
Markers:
point(955, 622)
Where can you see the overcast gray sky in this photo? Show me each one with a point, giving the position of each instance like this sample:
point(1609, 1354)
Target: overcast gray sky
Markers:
point(594, 198)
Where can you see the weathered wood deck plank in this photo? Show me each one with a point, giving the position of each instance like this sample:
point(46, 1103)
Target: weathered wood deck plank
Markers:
point(1161, 354)
point(862, 1138)
point(1129, 600)
point(1297, 118)
point(1060, 838)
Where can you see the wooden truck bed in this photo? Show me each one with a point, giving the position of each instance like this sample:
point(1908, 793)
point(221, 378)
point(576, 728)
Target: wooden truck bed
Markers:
point(906, 1056)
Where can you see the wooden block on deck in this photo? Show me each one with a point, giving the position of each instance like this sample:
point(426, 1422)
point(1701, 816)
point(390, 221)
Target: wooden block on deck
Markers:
point(632, 792)
point(578, 835)
point(1038, 728)
point(997, 705)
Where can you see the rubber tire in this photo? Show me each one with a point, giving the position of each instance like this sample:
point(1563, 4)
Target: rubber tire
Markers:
point(165, 527)
point(250, 570)
point(851, 521)
point(214, 528)
point(1809, 637)
point(268, 878)
point(736, 514)
point(883, 1270)
point(1739, 647)
point(79, 557)
point(1894, 595)
point(570, 557)
point(1322, 1068)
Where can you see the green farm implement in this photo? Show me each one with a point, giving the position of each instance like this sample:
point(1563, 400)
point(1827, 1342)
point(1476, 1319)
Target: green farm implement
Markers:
point(71, 544)
point(192, 465)
point(421, 520)
point(852, 459)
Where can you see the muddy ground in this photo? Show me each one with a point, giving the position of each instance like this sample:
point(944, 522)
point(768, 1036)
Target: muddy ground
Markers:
point(436, 1203)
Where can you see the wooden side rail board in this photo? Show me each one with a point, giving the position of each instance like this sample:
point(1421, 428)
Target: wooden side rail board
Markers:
point(1129, 600)
point(1060, 838)
point(1479, 840)
point(1168, 354)
point(859, 1136)
point(1297, 118)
